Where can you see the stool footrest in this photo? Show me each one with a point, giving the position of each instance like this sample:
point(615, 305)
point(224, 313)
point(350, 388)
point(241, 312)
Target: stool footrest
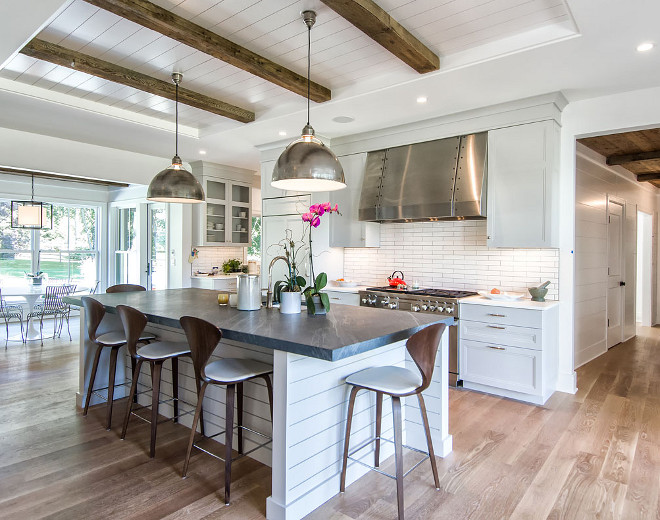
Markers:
point(373, 468)
point(241, 455)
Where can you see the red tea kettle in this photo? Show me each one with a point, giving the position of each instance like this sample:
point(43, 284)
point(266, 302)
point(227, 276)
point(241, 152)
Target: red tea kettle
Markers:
point(394, 281)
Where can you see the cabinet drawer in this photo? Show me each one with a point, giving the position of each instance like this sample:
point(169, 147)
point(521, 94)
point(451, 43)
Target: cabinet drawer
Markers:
point(509, 368)
point(525, 337)
point(343, 298)
point(502, 315)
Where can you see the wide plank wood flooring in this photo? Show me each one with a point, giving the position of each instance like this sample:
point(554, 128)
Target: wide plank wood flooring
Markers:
point(595, 454)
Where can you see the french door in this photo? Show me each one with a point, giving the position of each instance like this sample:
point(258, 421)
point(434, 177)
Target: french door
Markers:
point(156, 262)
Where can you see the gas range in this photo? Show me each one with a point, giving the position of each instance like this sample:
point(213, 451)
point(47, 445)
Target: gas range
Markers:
point(439, 301)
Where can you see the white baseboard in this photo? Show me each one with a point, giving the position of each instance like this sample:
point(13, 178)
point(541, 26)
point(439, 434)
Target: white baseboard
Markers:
point(567, 382)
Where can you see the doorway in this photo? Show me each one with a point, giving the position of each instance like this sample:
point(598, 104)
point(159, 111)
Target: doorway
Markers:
point(644, 263)
point(615, 283)
point(157, 247)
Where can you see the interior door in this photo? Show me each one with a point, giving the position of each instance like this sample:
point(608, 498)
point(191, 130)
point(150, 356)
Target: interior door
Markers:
point(615, 282)
point(157, 247)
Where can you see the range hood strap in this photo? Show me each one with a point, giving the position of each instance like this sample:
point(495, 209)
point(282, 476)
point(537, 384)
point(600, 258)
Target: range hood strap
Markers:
point(453, 189)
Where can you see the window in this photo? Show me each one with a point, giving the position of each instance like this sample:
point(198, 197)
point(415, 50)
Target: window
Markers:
point(126, 254)
point(15, 247)
point(68, 252)
point(254, 249)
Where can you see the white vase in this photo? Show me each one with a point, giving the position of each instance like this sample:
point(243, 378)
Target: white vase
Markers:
point(290, 302)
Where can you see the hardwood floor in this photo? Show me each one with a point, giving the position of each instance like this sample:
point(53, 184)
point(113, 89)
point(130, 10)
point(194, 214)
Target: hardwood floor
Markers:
point(595, 454)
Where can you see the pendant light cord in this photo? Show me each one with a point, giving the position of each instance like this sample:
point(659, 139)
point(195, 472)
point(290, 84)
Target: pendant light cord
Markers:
point(309, 65)
point(32, 198)
point(176, 110)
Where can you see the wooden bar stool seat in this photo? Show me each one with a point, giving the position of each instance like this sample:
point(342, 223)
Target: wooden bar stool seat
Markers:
point(397, 382)
point(155, 354)
point(203, 337)
point(115, 339)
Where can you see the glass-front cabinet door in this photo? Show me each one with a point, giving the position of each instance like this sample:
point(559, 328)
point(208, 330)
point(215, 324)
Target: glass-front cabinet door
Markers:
point(240, 214)
point(225, 217)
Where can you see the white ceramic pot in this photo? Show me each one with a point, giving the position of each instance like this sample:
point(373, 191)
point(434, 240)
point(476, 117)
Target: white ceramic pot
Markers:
point(290, 302)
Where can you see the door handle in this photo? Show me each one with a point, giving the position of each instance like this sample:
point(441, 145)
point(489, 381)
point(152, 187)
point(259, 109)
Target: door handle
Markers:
point(622, 284)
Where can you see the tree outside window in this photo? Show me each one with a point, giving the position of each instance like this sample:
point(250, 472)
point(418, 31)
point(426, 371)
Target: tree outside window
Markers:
point(254, 249)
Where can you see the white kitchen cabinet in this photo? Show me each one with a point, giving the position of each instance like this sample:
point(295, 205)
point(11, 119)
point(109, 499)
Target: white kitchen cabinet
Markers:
point(343, 298)
point(345, 229)
point(225, 218)
point(523, 193)
point(508, 351)
point(274, 228)
point(224, 283)
point(267, 191)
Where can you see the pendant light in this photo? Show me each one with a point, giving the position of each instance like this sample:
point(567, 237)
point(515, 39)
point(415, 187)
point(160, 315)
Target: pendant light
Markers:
point(307, 164)
point(175, 184)
point(28, 214)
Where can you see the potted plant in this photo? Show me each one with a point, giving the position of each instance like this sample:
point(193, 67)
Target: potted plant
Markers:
point(317, 302)
point(288, 291)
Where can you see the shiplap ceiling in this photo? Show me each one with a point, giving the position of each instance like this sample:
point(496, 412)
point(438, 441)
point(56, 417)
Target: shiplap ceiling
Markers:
point(342, 56)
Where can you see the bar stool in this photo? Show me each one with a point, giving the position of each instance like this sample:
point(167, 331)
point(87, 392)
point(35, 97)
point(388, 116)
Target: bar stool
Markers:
point(94, 312)
point(397, 382)
point(203, 337)
point(155, 354)
point(124, 287)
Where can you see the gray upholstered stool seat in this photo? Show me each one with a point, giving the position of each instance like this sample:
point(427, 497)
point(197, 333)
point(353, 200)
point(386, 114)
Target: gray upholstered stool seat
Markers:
point(164, 349)
point(390, 380)
point(232, 370)
point(117, 337)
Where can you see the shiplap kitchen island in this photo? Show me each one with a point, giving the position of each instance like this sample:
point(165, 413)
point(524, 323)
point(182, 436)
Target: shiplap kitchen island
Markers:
point(311, 357)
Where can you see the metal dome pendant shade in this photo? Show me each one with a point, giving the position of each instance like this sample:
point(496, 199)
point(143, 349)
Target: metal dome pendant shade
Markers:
point(175, 183)
point(307, 164)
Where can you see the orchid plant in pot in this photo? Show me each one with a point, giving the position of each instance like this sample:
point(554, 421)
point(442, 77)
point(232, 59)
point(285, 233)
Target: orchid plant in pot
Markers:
point(288, 291)
point(317, 302)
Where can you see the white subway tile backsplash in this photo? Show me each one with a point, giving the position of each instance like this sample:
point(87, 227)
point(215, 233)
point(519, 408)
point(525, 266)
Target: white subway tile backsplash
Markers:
point(210, 257)
point(451, 255)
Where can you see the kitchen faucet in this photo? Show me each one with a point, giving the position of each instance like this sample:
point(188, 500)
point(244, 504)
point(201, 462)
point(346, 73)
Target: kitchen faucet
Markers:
point(269, 294)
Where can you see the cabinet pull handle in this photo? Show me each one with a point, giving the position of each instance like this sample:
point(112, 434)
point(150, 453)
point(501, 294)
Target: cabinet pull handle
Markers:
point(497, 348)
point(496, 327)
point(334, 298)
point(497, 315)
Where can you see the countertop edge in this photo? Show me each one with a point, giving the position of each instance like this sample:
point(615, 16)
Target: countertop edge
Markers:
point(524, 303)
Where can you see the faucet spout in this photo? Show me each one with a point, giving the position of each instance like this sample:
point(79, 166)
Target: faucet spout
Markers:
point(269, 294)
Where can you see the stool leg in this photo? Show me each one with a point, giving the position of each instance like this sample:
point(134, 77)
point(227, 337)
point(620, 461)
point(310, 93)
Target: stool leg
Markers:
point(156, 368)
point(193, 428)
point(132, 397)
point(398, 452)
point(175, 388)
point(429, 442)
point(269, 386)
point(92, 377)
point(201, 410)
point(379, 415)
point(133, 364)
point(349, 420)
point(229, 435)
point(111, 387)
point(239, 417)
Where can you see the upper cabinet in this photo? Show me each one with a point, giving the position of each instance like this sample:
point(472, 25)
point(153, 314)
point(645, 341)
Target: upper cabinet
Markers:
point(345, 229)
point(267, 191)
point(225, 218)
point(523, 173)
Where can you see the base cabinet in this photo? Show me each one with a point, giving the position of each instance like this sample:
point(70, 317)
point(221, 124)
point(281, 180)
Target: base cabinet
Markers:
point(510, 352)
point(343, 298)
point(216, 284)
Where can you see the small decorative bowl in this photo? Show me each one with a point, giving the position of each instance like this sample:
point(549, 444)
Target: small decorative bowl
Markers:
point(538, 295)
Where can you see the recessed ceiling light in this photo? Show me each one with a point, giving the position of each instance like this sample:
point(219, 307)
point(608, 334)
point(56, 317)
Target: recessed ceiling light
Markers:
point(422, 99)
point(644, 47)
point(282, 133)
point(343, 119)
point(202, 152)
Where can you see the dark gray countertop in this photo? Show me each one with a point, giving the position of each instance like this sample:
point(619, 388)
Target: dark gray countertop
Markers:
point(345, 331)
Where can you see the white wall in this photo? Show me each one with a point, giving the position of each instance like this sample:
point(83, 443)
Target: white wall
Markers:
point(451, 255)
point(594, 183)
point(596, 116)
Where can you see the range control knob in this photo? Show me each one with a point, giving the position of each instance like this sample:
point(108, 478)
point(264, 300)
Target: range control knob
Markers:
point(414, 307)
point(385, 301)
point(394, 305)
point(432, 307)
point(441, 308)
point(425, 307)
point(364, 300)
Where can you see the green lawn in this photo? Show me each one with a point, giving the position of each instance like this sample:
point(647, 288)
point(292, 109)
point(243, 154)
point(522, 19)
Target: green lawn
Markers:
point(54, 270)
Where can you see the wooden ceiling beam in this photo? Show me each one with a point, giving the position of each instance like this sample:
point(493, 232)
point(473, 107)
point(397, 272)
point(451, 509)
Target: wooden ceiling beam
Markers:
point(651, 176)
point(59, 55)
point(9, 170)
point(376, 23)
point(184, 31)
point(633, 157)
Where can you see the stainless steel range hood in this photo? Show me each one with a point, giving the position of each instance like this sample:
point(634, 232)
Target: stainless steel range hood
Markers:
point(444, 179)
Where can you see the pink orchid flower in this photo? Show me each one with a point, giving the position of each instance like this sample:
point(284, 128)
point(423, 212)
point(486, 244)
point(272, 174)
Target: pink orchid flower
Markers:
point(316, 222)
